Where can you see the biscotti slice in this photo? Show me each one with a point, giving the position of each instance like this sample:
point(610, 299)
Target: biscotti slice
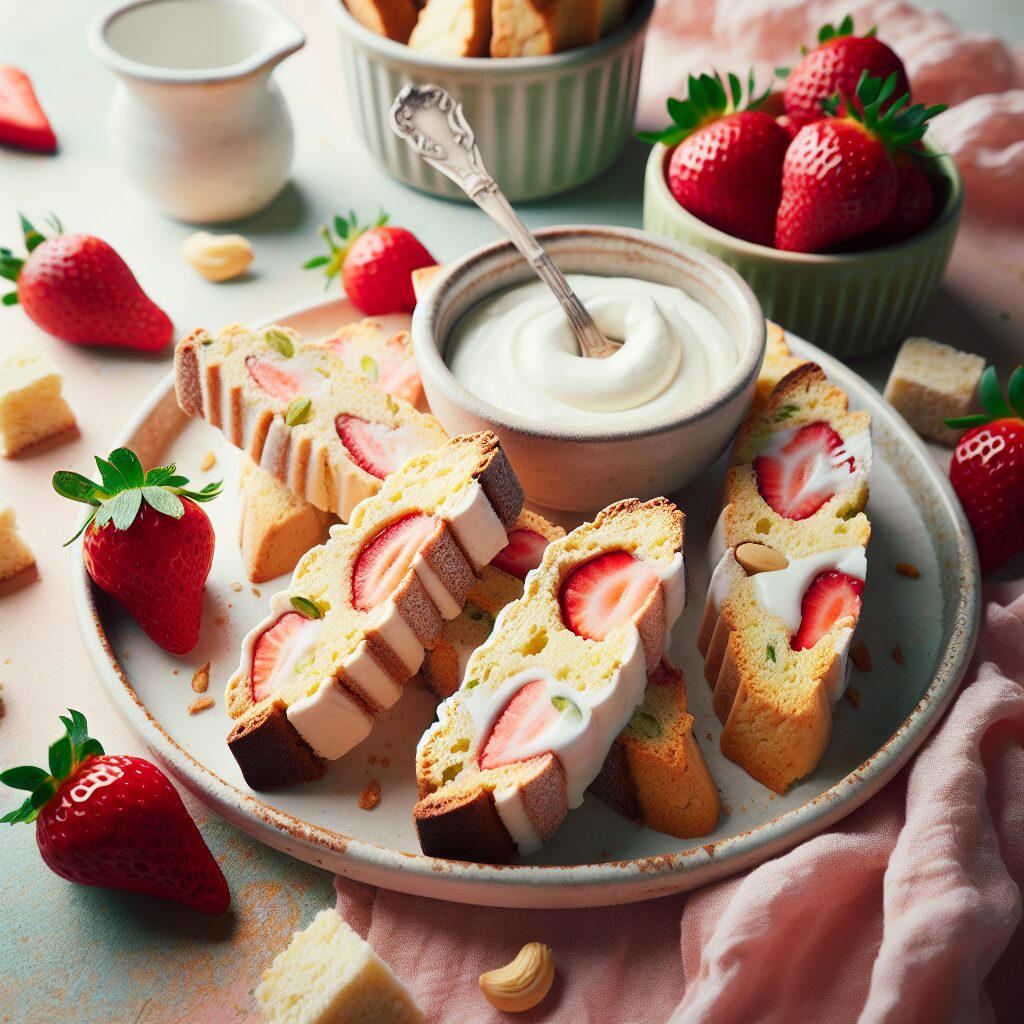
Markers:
point(342, 640)
point(776, 643)
point(31, 405)
point(801, 468)
point(778, 361)
point(385, 357)
point(531, 28)
point(327, 974)
point(276, 528)
point(560, 677)
point(15, 554)
point(453, 28)
point(931, 383)
point(655, 772)
point(394, 19)
point(296, 410)
point(499, 585)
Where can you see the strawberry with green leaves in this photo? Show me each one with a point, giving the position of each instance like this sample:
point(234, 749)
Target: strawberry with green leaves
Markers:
point(726, 167)
point(987, 471)
point(834, 68)
point(147, 543)
point(115, 821)
point(375, 264)
point(839, 177)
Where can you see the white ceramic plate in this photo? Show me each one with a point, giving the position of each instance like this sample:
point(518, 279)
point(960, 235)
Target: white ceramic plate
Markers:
point(596, 858)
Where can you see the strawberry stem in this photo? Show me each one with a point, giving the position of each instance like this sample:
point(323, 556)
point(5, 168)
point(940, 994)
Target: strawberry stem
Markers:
point(348, 229)
point(992, 400)
point(708, 99)
point(64, 758)
point(125, 486)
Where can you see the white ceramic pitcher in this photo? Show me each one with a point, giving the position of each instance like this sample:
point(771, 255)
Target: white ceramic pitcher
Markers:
point(197, 122)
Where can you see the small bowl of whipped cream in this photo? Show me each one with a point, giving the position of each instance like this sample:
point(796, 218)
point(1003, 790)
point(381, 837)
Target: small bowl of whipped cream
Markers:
point(496, 352)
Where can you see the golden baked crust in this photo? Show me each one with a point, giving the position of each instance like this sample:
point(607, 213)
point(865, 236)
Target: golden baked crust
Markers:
point(392, 18)
point(532, 28)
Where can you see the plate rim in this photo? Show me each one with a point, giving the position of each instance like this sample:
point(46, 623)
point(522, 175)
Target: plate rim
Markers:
point(601, 883)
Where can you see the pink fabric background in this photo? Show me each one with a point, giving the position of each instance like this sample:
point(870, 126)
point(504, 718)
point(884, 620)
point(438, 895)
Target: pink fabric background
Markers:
point(908, 911)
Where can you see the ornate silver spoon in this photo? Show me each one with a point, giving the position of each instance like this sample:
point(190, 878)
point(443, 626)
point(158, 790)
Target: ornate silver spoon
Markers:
point(434, 126)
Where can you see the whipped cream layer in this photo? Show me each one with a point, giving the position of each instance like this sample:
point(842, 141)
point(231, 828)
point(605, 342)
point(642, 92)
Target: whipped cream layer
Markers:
point(516, 350)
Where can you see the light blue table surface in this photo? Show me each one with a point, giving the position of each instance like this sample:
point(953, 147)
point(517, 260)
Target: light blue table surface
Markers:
point(87, 955)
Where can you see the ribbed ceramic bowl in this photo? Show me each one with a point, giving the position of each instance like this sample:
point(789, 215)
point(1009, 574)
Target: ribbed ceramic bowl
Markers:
point(543, 124)
point(849, 304)
point(586, 468)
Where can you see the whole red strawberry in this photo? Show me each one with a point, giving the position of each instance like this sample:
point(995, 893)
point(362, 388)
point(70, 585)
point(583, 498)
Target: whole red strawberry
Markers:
point(915, 204)
point(148, 544)
point(77, 288)
point(115, 821)
point(375, 264)
point(834, 68)
point(726, 167)
point(839, 177)
point(987, 471)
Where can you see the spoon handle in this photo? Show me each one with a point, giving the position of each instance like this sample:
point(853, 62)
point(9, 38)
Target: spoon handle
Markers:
point(430, 120)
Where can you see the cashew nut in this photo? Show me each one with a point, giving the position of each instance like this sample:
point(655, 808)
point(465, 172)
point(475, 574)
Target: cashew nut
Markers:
point(757, 558)
point(522, 984)
point(217, 257)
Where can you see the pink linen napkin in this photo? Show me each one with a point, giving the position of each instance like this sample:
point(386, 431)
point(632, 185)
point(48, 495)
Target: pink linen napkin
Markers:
point(909, 910)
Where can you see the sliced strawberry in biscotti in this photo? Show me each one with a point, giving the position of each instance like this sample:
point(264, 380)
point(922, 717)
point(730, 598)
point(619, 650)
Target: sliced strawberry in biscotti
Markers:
point(387, 559)
point(524, 552)
point(273, 379)
point(271, 649)
point(525, 717)
point(798, 478)
point(604, 592)
point(832, 596)
point(377, 447)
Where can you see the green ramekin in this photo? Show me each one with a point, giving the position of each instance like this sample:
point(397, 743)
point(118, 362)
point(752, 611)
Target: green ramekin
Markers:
point(850, 304)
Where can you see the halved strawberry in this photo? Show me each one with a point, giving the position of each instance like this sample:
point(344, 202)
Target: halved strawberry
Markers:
point(525, 717)
point(604, 592)
point(832, 595)
point(387, 559)
point(270, 649)
point(277, 382)
point(376, 447)
point(393, 370)
point(524, 552)
point(795, 480)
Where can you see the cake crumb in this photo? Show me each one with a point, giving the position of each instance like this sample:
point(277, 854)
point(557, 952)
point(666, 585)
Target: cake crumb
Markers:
point(201, 679)
point(861, 656)
point(219, 620)
point(174, 672)
point(908, 569)
point(236, 587)
point(257, 591)
point(370, 796)
point(897, 656)
point(385, 762)
point(372, 759)
point(853, 696)
point(208, 460)
point(200, 704)
point(708, 736)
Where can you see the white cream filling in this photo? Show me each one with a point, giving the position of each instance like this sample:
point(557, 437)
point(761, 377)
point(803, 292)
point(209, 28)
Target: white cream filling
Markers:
point(780, 593)
point(397, 634)
point(476, 526)
point(842, 675)
point(508, 802)
point(716, 543)
point(673, 587)
point(330, 721)
point(361, 667)
point(436, 590)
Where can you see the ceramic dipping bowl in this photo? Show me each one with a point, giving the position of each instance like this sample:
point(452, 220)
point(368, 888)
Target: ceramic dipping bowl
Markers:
point(586, 468)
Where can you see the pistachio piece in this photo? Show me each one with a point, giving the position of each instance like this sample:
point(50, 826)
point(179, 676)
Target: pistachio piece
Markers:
point(757, 558)
point(647, 724)
point(369, 366)
point(217, 257)
point(522, 984)
point(279, 340)
point(304, 606)
point(298, 412)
